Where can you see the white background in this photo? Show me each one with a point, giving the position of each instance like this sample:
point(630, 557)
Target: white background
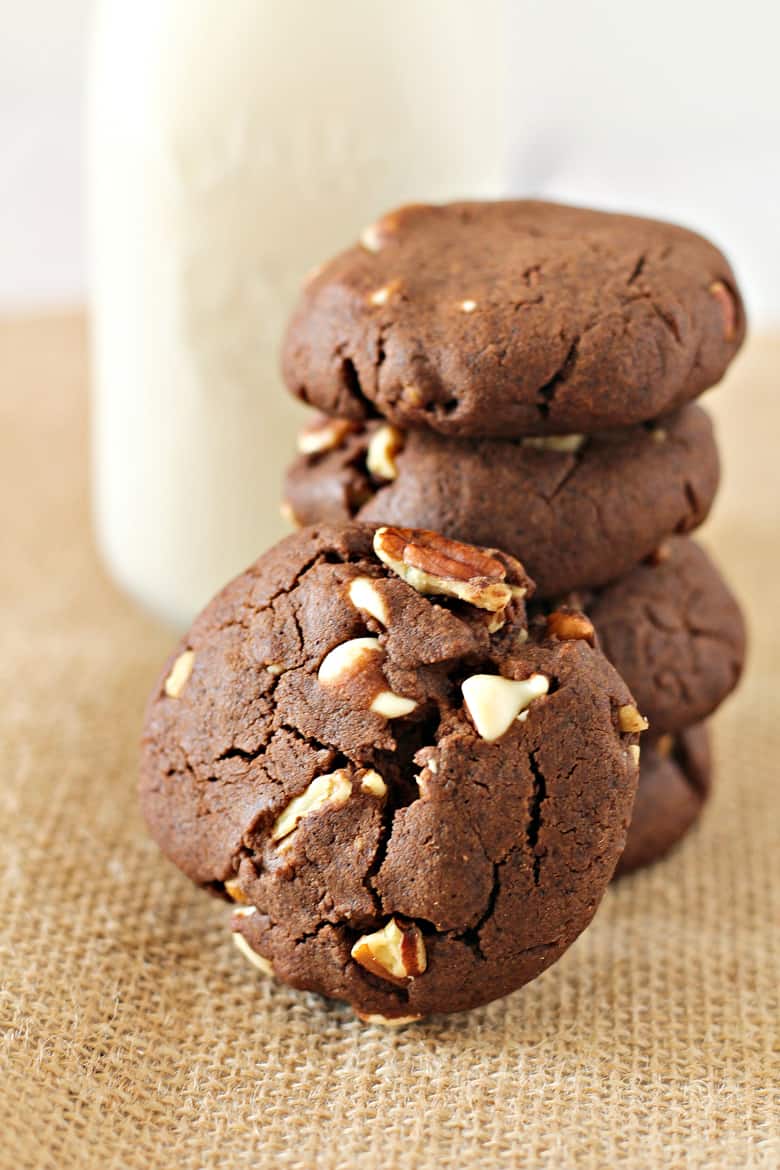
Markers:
point(670, 108)
point(42, 50)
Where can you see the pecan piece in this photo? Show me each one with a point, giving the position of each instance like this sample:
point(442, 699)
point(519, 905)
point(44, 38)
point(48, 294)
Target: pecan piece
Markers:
point(385, 443)
point(568, 626)
point(432, 563)
point(324, 434)
point(630, 721)
point(332, 788)
point(396, 952)
point(179, 674)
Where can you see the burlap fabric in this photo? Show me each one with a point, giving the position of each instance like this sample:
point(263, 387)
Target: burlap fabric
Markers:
point(135, 1035)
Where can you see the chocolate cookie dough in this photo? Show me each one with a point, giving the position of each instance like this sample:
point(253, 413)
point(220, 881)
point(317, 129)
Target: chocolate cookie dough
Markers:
point(514, 318)
point(415, 803)
point(674, 631)
point(577, 510)
point(674, 782)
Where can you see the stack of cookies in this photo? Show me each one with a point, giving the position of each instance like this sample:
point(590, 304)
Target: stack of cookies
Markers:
point(405, 743)
point(521, 375)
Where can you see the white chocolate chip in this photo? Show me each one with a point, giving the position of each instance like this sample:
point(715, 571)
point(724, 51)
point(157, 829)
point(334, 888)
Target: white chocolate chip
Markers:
point(364, 595)
point(468, 306)
point(324, 435)
point(630, 720)
point(372, 783)
point(244, 911)
point(394, 952)
point(634, 751)
point(494, 702)
point(332, 788)
point(255, 959)
point(380, 296)
point(385, 443)
point(431, 767)
point(274, 668)
point(658, 435)
point(287, 514)
point(392, 706)
point(370, 238)
point(386, 1021)
point(422, 786)
point(343, 659)
point(348, 657)
point(179, 675)
point(563, 443)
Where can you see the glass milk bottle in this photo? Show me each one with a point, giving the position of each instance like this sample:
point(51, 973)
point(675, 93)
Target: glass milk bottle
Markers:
point(233, 145)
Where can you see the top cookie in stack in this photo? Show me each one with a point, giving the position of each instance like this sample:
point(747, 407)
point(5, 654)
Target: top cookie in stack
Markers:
point(532, 363)
point(514, 319)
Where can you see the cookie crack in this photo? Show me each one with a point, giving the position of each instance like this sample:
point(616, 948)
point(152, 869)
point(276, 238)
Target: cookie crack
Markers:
point(685, 523)
point(301, 939)
point(535, 820)
point(295, 620)
point(316, 744)
point(547, 392)
point(381, 355)
point(352, 386)
point(529, 303)
point(237, 753)
point(312, 562)
point(252, 756)
point(667, 320)
point(471, 936)
point(368, 880)
point(323, 557)
point(637, 270)
point(571, 470)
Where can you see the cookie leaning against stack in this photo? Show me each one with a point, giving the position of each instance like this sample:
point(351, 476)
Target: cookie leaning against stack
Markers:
point(416, 800)
point(520, 374)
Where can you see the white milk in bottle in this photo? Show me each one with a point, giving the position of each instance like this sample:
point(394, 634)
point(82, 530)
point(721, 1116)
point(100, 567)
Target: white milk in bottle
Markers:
point(233, 145)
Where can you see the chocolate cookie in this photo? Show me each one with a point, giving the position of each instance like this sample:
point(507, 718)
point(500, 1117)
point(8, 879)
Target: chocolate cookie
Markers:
point(514, 318)
point(674, 631)
point(416, 804)
point(674, 782)
point(578, 511)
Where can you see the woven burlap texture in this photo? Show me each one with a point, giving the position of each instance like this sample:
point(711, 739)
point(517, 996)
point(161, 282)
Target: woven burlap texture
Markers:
point(135, 1035)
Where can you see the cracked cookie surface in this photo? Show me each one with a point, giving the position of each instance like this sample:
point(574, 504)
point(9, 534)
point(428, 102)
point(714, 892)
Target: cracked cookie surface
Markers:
point(674, 782)
point(514, 318)
point(674, 631)
point(577, 510)
point(426, 853)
